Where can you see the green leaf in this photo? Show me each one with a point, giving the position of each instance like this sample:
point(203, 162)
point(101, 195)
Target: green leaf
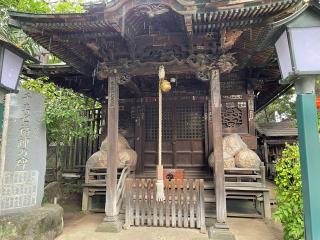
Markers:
point(289, 193)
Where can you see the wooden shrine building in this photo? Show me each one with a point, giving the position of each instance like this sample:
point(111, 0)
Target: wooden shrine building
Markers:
point(215, 54)
point(272, 139)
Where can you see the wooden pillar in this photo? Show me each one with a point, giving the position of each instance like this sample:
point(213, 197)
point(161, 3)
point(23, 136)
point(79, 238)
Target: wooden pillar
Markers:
point(111, 222)
point(221, 209)
point(112, 154)
point(266, 156)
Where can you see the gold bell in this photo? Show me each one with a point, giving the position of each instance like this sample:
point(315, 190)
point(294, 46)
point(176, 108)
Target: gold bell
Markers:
point(165, 86)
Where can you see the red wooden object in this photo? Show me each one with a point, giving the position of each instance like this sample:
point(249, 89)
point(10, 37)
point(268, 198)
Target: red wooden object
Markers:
point(318, 102)
point(171, 173)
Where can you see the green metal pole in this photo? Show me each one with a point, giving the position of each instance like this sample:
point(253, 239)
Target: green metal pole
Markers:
point(310, 155)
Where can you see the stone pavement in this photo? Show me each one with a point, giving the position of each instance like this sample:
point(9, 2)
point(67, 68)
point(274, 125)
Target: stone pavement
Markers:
point(255, 229)
point(82, 227)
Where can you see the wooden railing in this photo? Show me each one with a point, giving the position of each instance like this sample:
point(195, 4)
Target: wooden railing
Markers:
point(95, 184)
point(248, 184)
point(245, 177)
point(183, 205)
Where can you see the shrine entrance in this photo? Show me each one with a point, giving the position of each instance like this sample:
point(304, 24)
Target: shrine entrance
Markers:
point(225, 72)
point(184, 134)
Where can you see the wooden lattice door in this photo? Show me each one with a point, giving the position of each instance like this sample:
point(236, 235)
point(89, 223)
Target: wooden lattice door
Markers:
point(183, 135)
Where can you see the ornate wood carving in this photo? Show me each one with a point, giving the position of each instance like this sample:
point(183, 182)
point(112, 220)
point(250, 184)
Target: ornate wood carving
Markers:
point(179, 6)
point(151, 10)
point(205, 63)
point(103, 72)
point(162, 54)
point(200, 64)
point(124, 78)
point(229, 38)
point(232, 117)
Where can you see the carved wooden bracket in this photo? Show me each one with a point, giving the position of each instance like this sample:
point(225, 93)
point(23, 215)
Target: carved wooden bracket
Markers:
point(103, 72)
point(205, 63)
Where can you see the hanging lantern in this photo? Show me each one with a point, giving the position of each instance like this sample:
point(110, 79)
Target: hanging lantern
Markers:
point(11, 62)
point(165, 86)
point(318, 102)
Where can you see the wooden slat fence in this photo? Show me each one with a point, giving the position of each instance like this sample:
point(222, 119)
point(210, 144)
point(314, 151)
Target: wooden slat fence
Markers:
point(75, 155)
point(183, 205)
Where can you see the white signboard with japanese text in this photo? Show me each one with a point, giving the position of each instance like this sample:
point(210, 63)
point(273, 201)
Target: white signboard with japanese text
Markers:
point(23, 152)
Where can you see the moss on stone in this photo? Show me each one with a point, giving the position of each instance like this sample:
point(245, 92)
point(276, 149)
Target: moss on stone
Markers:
point(37, 224)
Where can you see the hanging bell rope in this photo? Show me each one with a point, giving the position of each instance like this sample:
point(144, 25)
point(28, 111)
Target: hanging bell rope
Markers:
point(159, 184)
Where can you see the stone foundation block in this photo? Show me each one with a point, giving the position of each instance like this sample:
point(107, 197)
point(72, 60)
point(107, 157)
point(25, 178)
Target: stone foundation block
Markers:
point(44, 223)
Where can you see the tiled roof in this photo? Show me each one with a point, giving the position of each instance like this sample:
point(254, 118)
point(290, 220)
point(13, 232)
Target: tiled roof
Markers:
point(277, 129)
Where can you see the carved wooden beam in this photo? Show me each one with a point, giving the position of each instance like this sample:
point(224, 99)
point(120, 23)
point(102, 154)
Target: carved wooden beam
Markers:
point(200, 65)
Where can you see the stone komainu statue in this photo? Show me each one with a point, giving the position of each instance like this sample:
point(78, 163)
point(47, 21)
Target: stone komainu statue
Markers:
point(127, 156)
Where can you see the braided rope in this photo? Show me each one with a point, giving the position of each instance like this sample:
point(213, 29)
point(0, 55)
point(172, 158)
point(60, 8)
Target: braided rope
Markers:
point(159, 184)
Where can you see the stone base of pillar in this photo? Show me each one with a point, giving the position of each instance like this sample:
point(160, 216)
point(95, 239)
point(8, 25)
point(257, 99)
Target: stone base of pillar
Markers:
point(113, 225)
point(219, 234)
point(219, 225)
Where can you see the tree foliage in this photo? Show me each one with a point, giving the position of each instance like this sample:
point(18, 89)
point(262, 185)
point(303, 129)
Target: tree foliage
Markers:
point(289, 194)
point(63, 109)
point(17, 36)
point(71, 6)
point(63, 106)
point(282, 108)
